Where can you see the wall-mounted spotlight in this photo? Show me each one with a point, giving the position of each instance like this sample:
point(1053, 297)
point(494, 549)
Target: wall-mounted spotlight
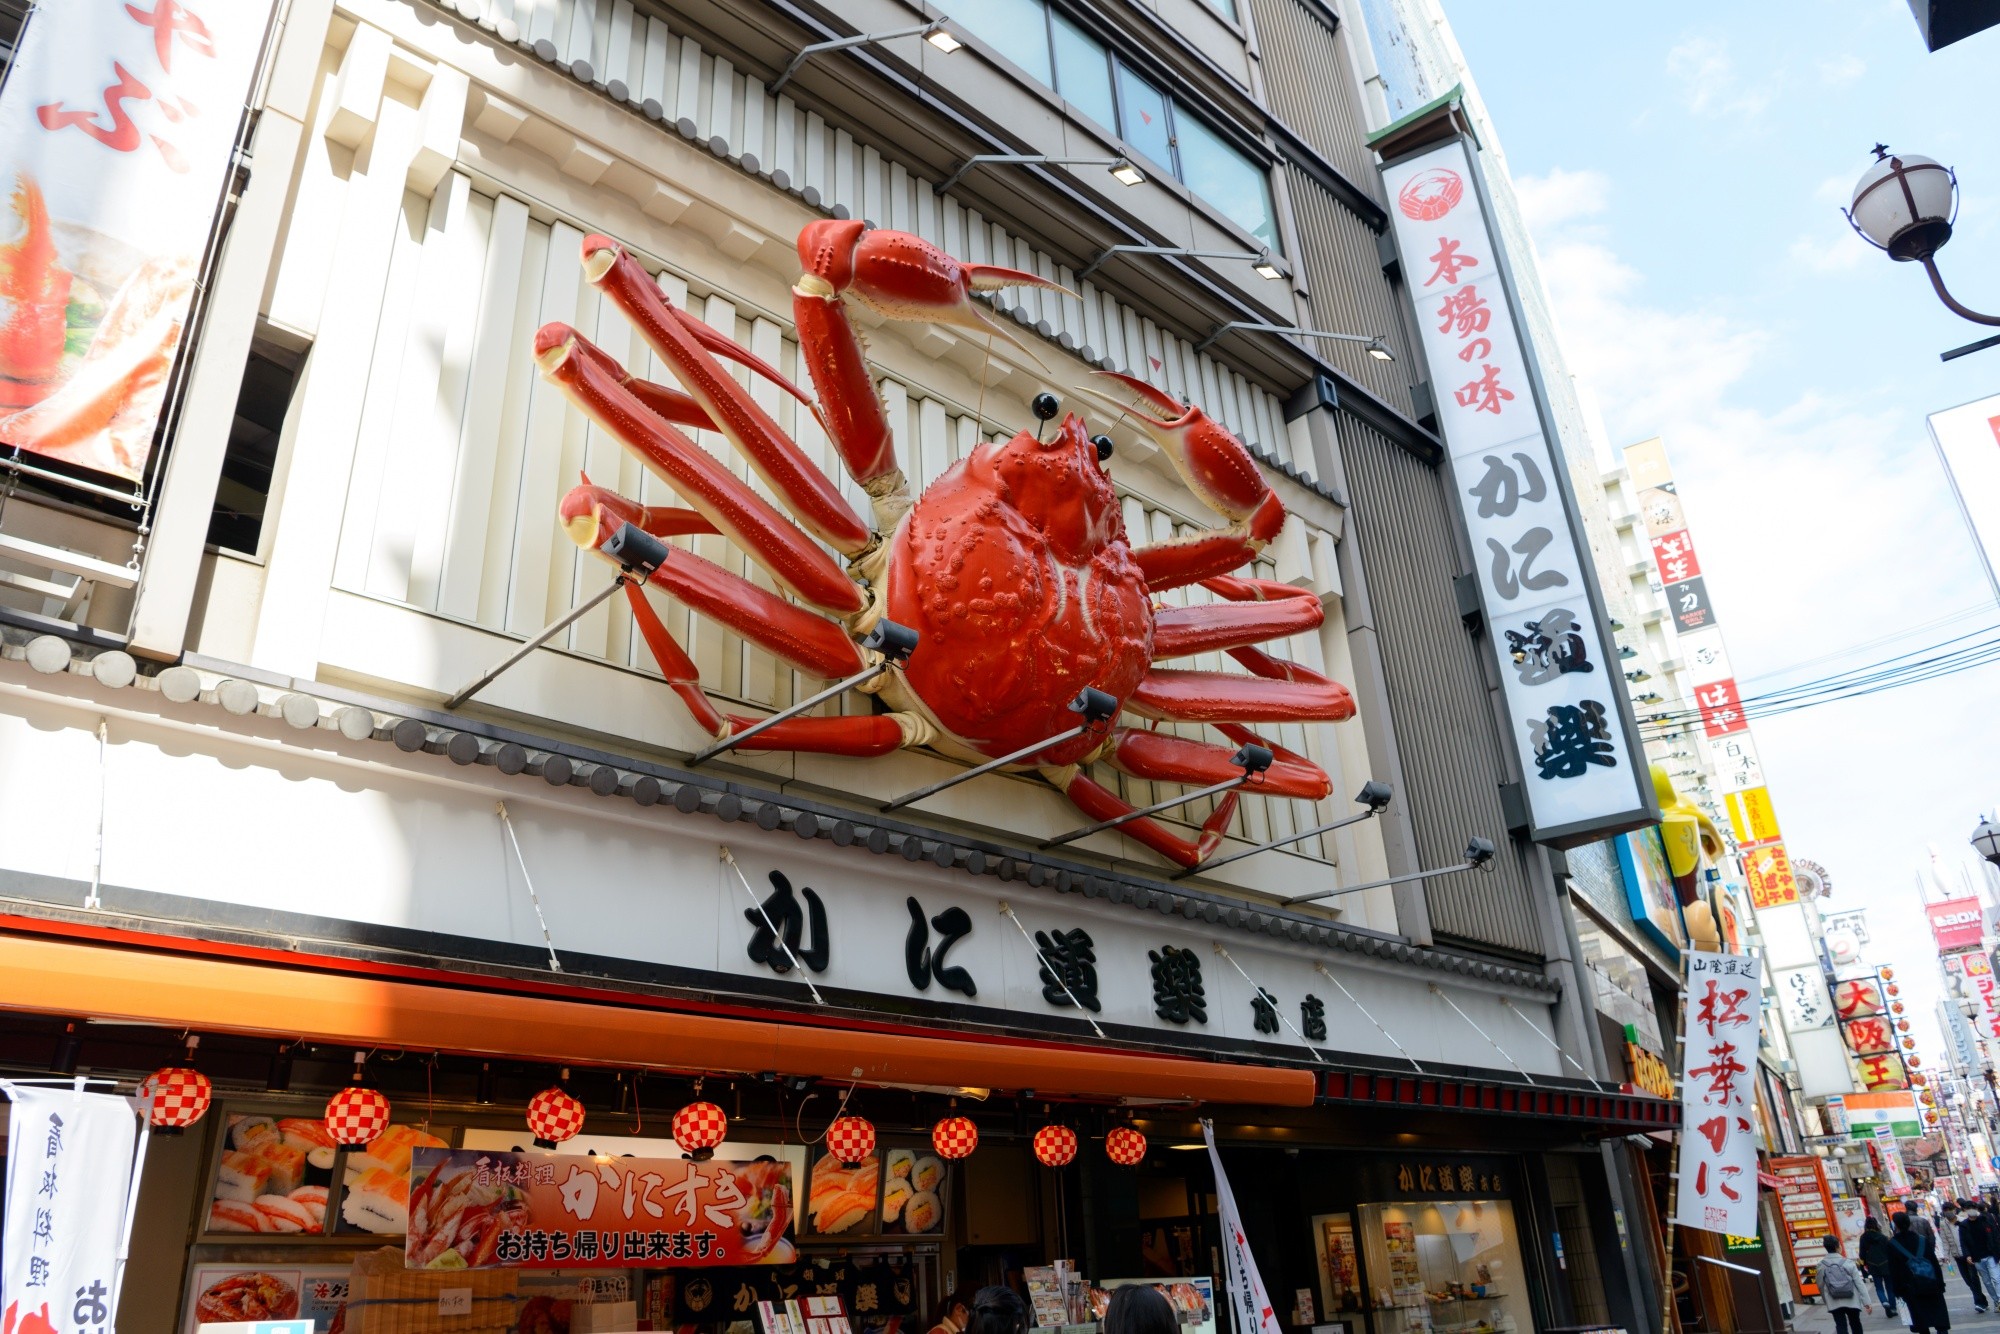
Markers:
point(1121, 168)
point(1373, 344)
point(1261, 261)
point(934, 32)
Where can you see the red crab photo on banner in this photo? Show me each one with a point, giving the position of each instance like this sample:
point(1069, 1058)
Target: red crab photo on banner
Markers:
point(1013, 568)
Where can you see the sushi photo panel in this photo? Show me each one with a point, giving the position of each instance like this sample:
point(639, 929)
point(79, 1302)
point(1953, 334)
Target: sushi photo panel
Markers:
point(897, 1191)
point(279, 1176)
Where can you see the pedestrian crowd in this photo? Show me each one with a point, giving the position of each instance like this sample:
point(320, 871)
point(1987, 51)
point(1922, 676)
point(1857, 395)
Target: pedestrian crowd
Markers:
point(1906, 1266)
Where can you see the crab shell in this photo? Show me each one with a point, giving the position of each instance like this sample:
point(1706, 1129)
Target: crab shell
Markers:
point(1014, 569)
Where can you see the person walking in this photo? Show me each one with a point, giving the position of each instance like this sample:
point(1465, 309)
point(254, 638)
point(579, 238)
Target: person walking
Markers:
point(1846, 1292)
point(1916, 1278)
point(1874, 1252)
point(1981, 1238)
point(1951, 1243)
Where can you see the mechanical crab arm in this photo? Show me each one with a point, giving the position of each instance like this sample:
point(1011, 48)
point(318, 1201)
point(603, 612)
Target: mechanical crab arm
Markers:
point(1097, 709)
point(1252, 758)
point(1375, 796)
point(892, 643)
point(638, 554)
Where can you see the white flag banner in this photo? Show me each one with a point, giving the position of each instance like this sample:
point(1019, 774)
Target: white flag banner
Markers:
point(1247, 1298)
point(1718, 1167)
point(70, 1181)
point(115, 128)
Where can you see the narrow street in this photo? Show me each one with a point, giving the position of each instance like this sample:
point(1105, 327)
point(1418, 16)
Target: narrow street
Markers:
point(1819, 1320)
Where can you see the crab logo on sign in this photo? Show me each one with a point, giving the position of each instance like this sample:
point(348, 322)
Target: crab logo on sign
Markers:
point(1429, 195)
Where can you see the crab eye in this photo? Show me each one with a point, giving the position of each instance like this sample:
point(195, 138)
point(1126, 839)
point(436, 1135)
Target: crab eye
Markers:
point(1104, 446)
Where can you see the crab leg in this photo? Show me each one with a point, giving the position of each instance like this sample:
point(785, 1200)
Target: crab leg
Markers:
point(1170, 759)
point(1286, 693)
point(901, 277)
point(593, 381)
point(865, 736)
point(686, 344)
point(1180, 632)
point(659, 520)
point(1100, 803)
point(1193, 559)
point(592, 515)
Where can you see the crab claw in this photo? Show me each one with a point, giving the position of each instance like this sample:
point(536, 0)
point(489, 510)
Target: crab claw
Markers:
point(904, 277)
point(1213, 463)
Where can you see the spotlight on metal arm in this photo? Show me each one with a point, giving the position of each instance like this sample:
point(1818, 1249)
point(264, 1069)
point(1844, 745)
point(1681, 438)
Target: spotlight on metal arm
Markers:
point(1478, 855)
point(1121, 168)
point(1252, 759)
point(892, 642)
point(1375, 796)
point(935, 33)
point(1097, 709)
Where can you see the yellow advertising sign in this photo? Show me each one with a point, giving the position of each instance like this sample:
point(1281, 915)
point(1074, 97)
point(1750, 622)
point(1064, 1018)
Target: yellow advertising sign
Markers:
point(1770, 874)
point(1753, 817)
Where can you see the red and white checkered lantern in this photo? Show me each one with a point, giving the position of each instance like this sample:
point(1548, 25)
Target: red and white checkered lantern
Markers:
point(850, 1139)
point(1125, 1146)
point(356, 1116)
point(554, 1116)
point(1055, 1145)
point(179, 1096)
point(699, 1127)
point(955, 1137)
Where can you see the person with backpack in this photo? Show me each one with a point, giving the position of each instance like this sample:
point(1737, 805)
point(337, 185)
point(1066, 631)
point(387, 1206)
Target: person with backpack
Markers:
point(1841, 1284)
point(1874, 1252)
point(1914, 1273)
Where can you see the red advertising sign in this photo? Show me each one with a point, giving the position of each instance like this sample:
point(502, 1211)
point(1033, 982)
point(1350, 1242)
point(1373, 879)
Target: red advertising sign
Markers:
point(474, 1209)
point(1807, 1207)
point(1673, 553)
point(1857, 996)
point(1883, 1073)
point(1721, 708)
point(1769, 871)
point(1958, 924)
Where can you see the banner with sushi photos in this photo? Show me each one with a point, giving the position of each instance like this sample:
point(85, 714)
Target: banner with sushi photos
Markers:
point(484, 1209)
point(116, 127)
point(893, 1192)
point(284, 1176)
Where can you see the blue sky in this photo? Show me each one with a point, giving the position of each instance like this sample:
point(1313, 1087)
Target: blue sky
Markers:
point(1682, 168)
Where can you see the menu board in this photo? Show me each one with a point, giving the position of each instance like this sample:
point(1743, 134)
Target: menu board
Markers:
point(1406, 1280)
point(220, 1294)
point(479, 1209)
point(1339, 1268)
point(1806, 1206)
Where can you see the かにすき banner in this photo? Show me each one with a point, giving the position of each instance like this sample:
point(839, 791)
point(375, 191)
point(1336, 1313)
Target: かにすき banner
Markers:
point(115, 131)
point(474, 1209)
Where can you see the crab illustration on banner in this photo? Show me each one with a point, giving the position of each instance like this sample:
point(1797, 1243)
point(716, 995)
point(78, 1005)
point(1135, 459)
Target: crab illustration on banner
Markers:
point(1000, 599)
point(1717, 1182)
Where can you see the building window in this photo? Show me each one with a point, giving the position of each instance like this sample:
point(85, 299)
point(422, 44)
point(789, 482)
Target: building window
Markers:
point(244, 489)
point(1226, 8)
point(1056, 52)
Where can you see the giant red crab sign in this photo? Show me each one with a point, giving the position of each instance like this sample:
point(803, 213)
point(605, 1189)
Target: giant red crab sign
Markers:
point(1013, 567)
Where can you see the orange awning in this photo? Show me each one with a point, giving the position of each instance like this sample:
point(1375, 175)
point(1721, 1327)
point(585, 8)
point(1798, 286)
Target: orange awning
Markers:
point(230, 996)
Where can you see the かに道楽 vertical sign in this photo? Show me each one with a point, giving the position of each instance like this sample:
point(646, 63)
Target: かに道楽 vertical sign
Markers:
point(1718, 1163)
point(1584, 772)
point(115, 131)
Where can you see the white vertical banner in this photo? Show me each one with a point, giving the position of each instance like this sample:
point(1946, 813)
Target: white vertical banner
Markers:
point(1247, 1298)
point(1585, 773)
point(1717, 1182)
point(115, 133)
point(71, 1184)
point(1968, 443)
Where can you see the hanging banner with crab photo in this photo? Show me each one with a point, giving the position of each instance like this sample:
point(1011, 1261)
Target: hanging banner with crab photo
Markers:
point(476, 1209)
point(116, 126)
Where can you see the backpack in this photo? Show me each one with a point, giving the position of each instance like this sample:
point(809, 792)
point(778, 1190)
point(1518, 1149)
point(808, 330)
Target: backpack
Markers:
point(1836, 1278)
point(1924, 1280)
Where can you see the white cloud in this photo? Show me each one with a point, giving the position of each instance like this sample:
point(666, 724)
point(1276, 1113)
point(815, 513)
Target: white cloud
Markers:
point(1709, 82)
point(1840, 71)
point(1561, 196)
point(1831, 255)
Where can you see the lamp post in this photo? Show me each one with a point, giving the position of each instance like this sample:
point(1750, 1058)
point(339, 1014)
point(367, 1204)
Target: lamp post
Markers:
point(1986, 840)
point(1905, 204)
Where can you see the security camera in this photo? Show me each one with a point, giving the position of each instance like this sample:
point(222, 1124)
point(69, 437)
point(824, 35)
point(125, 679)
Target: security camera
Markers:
point(1375, 796)
point(1252, 758)
point(636, 550)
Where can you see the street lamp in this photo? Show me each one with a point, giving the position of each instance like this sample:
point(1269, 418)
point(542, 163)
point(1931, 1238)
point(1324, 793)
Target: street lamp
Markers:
point(1905, 204)
point(1986, 840)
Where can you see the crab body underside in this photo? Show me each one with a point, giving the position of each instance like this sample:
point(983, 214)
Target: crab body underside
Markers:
point(1013, 567)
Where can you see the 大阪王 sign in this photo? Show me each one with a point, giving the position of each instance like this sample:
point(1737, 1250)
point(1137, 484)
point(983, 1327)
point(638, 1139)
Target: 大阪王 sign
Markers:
point(116, 126)
point(480, 1209)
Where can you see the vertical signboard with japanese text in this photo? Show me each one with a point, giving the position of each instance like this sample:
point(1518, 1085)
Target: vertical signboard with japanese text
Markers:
point(1717, 1184)
point(116, 127)
point(1968, 443)
point(1564, 696)
point(70, 1161)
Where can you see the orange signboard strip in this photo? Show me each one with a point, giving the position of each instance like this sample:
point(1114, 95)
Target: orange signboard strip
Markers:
point(215, 995)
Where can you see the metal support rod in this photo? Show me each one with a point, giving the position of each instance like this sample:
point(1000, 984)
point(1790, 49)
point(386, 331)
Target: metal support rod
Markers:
point(1254, 326)
point(1020, 160)
point(1321, 969)
point(732, 742)
point(1007, 911)
point(1379, 884)
point(1508, 1001)
point(548, 632)
point(507, 823)
point(1438, 991)
point(1980, 346)
point(1327, 828)
point(1097, 262)
point(1153, 809)
point(1951, 302)
point(1271, 1000)
point(777, 936)
point(841, 44)
point(987, 767)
